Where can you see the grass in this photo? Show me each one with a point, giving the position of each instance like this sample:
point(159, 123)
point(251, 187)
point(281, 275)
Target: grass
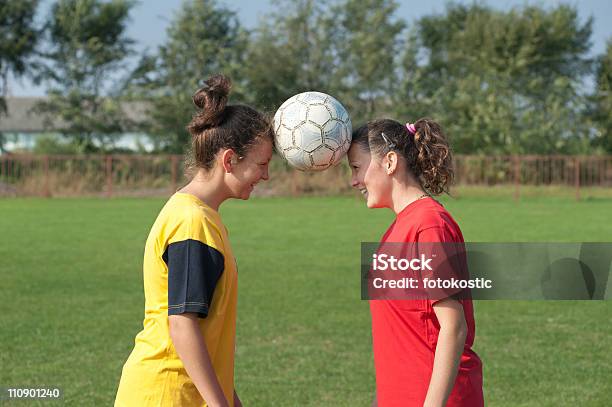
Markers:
point(73, 301)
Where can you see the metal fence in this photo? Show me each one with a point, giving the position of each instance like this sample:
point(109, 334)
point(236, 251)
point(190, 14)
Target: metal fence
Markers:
point(124, 175)
point(535, 170)
point(69, 175)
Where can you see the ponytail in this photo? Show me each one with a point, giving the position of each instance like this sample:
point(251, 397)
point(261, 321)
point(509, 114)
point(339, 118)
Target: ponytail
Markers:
point(434, 159)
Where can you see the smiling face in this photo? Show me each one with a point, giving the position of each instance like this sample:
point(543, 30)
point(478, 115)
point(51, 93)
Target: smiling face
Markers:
point(251, 169)
point(368, 175)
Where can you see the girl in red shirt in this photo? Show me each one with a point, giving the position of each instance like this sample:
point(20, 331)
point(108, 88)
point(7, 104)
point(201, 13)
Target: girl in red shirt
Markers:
point(422, 348)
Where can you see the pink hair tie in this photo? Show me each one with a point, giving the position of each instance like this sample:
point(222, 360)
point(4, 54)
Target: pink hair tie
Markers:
point(411, 128)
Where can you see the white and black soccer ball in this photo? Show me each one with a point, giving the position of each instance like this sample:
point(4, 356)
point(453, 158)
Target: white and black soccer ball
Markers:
point(313, 131)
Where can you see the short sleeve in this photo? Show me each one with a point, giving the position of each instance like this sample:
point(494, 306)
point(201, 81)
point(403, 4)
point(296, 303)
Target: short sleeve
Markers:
point(435, 234)
point(194, 268)
point(448, 261)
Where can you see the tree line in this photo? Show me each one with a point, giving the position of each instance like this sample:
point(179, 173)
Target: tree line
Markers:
point(520, 81)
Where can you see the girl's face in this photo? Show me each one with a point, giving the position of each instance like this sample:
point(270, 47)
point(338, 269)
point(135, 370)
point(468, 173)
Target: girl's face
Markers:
point(369, 176)
point(251, 169)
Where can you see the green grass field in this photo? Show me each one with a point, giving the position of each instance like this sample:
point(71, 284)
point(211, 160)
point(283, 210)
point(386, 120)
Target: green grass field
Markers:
point(72, 300)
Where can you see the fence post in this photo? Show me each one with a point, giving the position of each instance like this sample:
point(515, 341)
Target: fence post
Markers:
point(46, 190)
point(109, 176)
point(517, 178)
point(174, 162)
point(577, 176)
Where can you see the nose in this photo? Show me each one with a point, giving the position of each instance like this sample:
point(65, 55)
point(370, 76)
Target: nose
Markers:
point(354, 182)
point(265, 176)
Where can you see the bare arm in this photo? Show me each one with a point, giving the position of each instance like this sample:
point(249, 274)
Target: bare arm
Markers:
point(191, 348)
point(451, 340)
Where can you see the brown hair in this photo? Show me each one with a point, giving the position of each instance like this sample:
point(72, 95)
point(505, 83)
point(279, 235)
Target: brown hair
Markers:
point(218, 125)
point(427, 154)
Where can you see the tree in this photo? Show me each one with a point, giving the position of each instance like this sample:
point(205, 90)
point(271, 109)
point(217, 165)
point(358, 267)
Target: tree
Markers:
point(203, 38)
point(293, 50)
point(18, 38)
point(370, 42)
point(87, 47)
point(500, 81)
point(602, 112)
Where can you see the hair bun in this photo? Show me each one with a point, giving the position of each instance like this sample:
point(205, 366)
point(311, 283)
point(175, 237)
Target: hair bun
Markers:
point(212, 99)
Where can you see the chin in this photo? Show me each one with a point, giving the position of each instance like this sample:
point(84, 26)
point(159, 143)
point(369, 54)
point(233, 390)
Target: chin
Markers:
point(370, 203)
point(373, 204)
point(245, 196)
point(243, 193)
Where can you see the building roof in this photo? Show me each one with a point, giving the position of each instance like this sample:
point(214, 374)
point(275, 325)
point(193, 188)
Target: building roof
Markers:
point(22, 118)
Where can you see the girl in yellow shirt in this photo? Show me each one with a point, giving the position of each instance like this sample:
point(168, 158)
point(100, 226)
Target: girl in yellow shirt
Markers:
point(184, 356)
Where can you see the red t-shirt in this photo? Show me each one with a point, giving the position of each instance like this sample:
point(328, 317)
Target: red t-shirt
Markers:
point(405, 332)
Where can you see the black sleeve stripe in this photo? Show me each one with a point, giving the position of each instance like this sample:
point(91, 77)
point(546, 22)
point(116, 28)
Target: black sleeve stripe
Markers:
point(194, 268)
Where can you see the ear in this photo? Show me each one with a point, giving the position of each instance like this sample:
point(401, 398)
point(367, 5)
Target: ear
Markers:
point(228, 160)
point(390, 162)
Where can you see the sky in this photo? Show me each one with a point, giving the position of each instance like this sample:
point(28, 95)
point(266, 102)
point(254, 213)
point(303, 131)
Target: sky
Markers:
point(150, 18)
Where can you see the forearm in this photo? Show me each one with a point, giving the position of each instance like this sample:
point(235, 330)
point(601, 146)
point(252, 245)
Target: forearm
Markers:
point(191, 348)
point(451, 341)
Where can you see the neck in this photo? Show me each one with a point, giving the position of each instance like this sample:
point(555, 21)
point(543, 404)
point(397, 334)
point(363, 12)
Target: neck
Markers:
point(208, 188)
point(403, 195)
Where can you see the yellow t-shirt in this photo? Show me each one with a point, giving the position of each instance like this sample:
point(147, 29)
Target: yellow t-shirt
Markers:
point(188, 267)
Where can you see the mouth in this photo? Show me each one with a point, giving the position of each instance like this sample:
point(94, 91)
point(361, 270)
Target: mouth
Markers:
point(363, 191)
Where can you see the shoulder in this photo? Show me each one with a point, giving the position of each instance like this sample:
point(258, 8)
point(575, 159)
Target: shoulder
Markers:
point(430, 221)
point(186, 219)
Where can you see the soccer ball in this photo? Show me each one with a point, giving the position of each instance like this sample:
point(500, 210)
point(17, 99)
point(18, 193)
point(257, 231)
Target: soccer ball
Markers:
point(313, 131)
